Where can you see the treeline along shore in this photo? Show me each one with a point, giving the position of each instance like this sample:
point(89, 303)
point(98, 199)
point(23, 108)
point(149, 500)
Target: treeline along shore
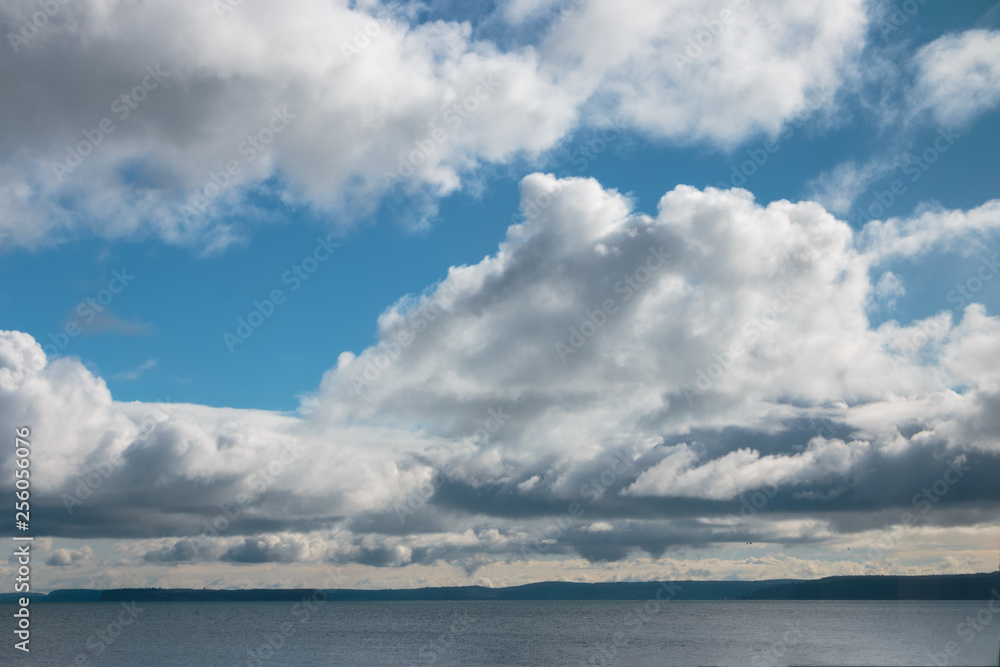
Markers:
point(927, 587)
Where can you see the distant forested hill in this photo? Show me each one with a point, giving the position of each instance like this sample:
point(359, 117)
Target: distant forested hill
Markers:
point(930, 587)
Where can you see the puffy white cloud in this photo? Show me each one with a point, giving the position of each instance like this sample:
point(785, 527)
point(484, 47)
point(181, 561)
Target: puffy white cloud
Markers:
point(263, 88)
point(166, 117)
point(958, 75)
point(678, 475)
point(691, 71)
point(716, 347)
point(888, 288)
point(626, 317)
point(838, 188)
point(67, 557)
point(274, 549)
point(519, 11)
point(909, 238)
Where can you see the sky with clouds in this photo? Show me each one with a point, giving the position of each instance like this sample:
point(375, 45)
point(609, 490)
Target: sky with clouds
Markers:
point(442, 293)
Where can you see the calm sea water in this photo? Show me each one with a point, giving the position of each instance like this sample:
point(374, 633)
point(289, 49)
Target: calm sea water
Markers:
point(509, 633)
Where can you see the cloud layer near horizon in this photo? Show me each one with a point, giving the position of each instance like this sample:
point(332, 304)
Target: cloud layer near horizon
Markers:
point(658, 370)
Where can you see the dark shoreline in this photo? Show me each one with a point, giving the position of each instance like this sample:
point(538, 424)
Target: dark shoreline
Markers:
point(869, 587)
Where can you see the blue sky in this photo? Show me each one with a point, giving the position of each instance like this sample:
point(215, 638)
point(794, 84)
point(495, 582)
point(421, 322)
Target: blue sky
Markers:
point(869, 154)
point(186, 300)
